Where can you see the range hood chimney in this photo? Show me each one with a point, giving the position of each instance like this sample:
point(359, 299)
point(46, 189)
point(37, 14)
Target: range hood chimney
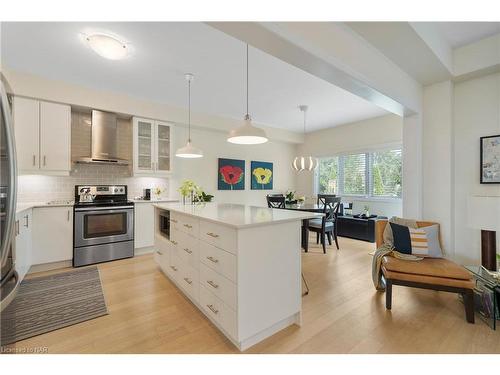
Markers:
point(104, 140)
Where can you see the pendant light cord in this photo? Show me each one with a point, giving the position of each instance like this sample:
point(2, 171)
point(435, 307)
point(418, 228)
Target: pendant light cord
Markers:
point(247, 79)
point(189, 111)
point(305, 114)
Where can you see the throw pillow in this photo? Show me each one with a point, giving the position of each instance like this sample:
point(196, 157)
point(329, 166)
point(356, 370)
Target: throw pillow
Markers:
point(387, 235)
point(422, 241)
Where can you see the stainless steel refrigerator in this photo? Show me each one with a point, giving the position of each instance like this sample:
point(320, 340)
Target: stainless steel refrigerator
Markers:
point(9, 280)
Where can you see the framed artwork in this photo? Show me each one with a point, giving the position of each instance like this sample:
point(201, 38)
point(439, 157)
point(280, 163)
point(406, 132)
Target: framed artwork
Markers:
point(231, 174)
point(490, 159)
point(261, 176)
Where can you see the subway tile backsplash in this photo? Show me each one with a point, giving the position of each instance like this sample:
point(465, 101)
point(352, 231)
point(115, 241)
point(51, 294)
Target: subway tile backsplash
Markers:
point(38, 188)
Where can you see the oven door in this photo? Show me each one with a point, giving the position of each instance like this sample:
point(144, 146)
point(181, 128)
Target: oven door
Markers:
point(95, 226)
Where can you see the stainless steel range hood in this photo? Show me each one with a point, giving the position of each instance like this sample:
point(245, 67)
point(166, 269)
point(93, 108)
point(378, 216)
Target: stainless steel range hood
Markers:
point(104, 140)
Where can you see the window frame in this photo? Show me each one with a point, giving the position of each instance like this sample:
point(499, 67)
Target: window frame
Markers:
point(368, 196)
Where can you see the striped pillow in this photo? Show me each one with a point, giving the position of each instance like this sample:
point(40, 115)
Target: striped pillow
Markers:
point(419, 242)
point(422, 241)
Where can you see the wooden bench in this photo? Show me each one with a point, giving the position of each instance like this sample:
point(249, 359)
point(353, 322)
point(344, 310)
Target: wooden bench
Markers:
point(430, 273)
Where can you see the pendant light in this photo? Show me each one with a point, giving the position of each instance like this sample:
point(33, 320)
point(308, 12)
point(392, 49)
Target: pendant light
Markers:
point(189, 151)
point(304, 163)
point(247, 134)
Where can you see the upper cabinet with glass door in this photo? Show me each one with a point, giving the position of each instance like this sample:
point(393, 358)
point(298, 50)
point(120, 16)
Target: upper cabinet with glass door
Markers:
point(152, 141)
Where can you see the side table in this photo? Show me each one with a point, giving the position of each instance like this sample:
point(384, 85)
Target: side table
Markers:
point(486, 295)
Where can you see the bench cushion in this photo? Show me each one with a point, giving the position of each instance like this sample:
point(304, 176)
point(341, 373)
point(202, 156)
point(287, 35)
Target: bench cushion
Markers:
point(441, 268)
point(430, 280)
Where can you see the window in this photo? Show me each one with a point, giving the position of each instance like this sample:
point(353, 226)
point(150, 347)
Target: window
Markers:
point(370, 174)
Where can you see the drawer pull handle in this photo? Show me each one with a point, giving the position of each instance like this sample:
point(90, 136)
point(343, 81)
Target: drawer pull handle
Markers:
point(213, 309)
point(174, 268)
point(189, 281)
point(159, 253)
point(174, 221)
point(213, 235)
point(212, 259)
point(174, 242)
point(188, 251)
point(188, 226)
point(212, 284)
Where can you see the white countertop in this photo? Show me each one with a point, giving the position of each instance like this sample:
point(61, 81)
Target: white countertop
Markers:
point(164, 200)
point(238, 215)
point(22, 206)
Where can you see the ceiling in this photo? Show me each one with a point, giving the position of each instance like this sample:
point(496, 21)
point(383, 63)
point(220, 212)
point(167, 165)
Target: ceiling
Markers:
point(459, 34)
point(163, 52)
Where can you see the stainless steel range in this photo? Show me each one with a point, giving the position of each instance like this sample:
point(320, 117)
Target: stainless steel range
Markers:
point(103, 224)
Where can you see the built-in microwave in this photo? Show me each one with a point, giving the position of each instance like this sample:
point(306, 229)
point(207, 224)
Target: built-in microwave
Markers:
point(164, 223)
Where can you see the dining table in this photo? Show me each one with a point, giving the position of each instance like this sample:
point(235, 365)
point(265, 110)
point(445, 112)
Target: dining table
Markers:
point(308, 207)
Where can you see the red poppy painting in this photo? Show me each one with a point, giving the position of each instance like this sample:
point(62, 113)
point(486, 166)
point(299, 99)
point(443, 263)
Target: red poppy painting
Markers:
point(231, 174)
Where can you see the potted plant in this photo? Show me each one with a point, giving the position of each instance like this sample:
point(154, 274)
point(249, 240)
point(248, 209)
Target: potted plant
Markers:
point(290, 197)
point(192, 193)
point(367, 211)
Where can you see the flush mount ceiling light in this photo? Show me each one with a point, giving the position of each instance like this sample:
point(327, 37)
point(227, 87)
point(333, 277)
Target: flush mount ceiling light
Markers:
point(189, 151)
point(107, 46)
point(304, 163)
point(247, 134)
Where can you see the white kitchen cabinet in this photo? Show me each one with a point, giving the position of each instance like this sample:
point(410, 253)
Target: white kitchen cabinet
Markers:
point(52, 234)
point(23, 248)
point(43, 136)
point(26, 114)
point(144, 231)
point(55, 137)
point(152, 142)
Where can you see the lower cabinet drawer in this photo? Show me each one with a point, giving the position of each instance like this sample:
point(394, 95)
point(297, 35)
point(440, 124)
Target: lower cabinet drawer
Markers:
point(189, 280)
point(219, 235)
point(218, 285)
point(187, 249)
point(174, 267)
point(219, 260)
point(218, 311)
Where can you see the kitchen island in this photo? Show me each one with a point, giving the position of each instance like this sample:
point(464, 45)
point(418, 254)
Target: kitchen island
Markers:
point(240, 265)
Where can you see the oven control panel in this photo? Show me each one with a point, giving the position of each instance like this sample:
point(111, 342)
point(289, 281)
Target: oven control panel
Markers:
point(102, 189)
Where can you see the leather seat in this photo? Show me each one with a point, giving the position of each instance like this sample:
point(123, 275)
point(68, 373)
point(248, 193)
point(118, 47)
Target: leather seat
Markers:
point(431, 280)
point(316, 223)
point(434, 267)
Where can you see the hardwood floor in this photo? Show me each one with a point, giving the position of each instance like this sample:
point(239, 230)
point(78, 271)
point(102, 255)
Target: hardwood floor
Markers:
point(342, 314)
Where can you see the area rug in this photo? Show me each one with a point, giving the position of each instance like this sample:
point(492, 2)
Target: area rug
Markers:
point(47, 303)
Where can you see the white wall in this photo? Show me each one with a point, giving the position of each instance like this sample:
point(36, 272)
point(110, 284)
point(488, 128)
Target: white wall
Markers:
point(214, 145)
point(476, 114)
point(358, 136)
point(438, 160)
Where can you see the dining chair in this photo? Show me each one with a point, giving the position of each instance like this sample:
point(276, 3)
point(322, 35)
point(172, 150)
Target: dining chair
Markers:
point(275, 201)
point(320, 200)
point(327, 226)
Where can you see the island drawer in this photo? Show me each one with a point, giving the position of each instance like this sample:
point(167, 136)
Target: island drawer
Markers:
point(218, 260)
point(217, 310)
point(222, 236)
point(187, 248)
point(218, 285)
point(189, 280)
point(173, 269)
point(185, 223)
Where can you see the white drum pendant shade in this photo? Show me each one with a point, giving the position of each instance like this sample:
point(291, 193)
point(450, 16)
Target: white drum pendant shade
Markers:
point(247, 134)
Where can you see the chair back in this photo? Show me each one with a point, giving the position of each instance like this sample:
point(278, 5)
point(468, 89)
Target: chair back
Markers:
point(320, 200)
point(275, 201)
point(331, 208)
point(381, 224)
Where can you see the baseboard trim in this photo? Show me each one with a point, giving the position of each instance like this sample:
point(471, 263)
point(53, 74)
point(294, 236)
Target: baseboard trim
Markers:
point(50, 266)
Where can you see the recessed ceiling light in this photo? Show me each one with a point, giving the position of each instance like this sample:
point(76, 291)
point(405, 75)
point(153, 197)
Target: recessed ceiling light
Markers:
point(107, 46)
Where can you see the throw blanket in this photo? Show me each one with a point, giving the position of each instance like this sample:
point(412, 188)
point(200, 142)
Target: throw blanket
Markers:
point(385, 249)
